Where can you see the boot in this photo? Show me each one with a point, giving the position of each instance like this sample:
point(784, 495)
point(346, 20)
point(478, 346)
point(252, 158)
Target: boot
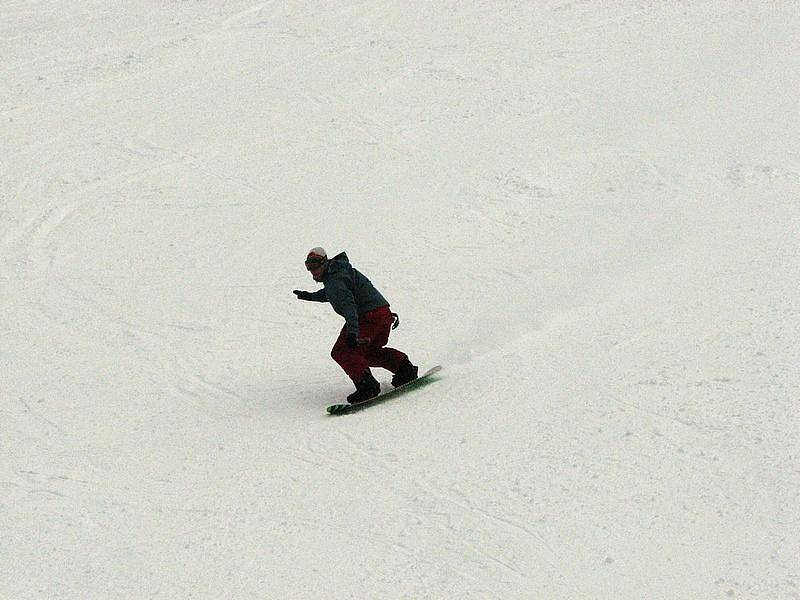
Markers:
point(367, 387)
point(407, 372)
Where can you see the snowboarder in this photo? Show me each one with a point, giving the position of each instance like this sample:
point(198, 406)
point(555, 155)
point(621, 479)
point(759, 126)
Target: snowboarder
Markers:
point(368, 321)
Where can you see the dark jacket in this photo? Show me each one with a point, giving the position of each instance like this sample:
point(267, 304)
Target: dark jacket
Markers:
point(350, 293)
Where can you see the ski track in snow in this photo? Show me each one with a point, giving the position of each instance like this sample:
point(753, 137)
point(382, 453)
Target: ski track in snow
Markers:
point(587, 213)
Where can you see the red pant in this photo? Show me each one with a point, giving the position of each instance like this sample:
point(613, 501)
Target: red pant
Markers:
point(375, 326)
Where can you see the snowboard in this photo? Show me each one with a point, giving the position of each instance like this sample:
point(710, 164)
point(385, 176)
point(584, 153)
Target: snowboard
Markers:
point(424, 379)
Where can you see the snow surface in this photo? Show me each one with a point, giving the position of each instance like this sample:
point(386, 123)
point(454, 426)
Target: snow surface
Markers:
point(588, 212)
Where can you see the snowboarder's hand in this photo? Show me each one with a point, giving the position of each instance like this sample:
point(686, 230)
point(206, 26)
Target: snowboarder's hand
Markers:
point(301, 295)
point(352, 340)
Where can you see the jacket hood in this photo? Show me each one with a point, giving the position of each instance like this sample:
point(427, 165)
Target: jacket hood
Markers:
point(338, 262)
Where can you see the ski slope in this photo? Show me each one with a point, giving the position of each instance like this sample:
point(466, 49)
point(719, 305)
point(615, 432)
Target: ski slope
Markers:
point(588, 212)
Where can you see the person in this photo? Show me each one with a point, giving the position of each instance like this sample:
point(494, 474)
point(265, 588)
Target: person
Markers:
point(368, 321)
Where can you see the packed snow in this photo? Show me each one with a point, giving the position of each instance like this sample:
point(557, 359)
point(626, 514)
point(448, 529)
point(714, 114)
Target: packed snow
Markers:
point(587, 212)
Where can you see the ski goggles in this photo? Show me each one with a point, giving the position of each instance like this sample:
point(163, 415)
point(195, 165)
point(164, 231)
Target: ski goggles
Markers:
point(314, 264)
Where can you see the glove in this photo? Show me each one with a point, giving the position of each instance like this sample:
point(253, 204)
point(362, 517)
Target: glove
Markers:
point(352, 339)
point(302, 295)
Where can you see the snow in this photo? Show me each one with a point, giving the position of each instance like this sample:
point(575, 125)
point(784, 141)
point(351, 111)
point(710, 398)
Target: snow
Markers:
point(587, 212)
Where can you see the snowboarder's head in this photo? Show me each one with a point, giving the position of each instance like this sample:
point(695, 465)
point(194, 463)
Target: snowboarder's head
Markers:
point(316, 261)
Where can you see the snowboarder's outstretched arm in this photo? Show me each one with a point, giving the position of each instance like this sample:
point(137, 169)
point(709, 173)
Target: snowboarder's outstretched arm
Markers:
point(318, 296)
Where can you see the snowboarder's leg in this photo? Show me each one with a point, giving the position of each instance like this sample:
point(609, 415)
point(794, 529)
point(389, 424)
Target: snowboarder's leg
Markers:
point(352, 360)
point(375, 326)
point(378, 325)
point(385, 358)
